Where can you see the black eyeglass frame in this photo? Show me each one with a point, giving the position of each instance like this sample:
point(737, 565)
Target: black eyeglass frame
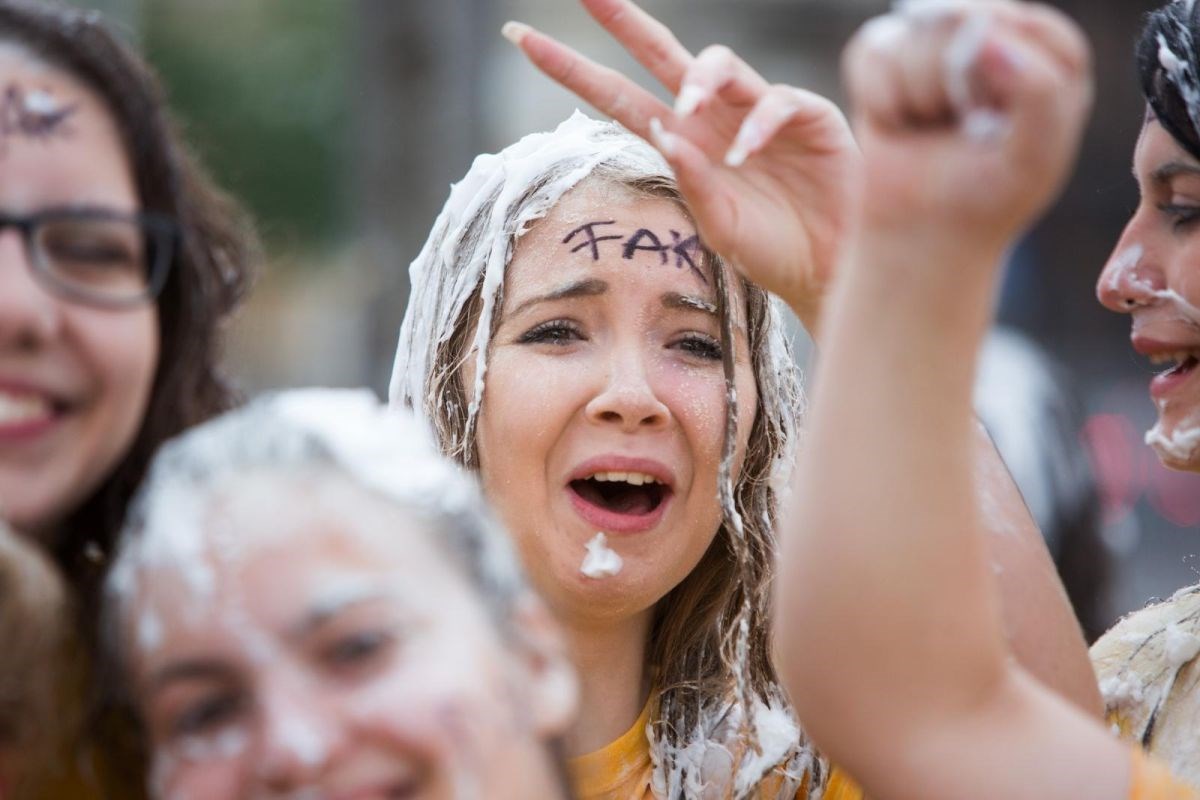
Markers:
point(160, 233)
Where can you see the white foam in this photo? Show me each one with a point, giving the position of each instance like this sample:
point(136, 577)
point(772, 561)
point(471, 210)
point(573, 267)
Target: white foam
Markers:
point(600, 561)
point(1180, 646)
point(1181, 445)
point(1125, 262)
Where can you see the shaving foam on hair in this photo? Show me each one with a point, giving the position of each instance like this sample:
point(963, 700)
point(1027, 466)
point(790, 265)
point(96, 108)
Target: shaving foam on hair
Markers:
point(176, 525)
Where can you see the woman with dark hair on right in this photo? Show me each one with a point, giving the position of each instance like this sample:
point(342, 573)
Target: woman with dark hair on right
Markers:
point(118, 262)
point(969, 115)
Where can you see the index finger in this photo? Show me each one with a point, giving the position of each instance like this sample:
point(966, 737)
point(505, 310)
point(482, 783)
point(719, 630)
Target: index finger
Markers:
point(650, 42)
point(607, 90)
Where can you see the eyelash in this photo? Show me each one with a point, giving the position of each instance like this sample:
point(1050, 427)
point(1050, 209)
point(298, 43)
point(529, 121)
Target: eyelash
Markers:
point(558, 331)
point(563, 332)
point(357, 649)
point(207, 714)
point(1182, 217)
point(704, 347)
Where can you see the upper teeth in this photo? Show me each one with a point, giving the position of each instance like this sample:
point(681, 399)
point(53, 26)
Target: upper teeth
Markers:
point(635, 478)
point(22, 408)
point(1177, 357)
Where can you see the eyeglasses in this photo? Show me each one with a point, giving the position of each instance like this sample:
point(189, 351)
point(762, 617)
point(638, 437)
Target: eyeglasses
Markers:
point(98, 257)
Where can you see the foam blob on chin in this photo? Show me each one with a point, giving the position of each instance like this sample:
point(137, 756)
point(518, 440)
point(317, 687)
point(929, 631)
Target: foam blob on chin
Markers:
point(600, 561)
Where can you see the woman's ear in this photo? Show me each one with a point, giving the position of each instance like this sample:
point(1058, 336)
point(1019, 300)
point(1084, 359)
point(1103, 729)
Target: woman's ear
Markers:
point(553, 684)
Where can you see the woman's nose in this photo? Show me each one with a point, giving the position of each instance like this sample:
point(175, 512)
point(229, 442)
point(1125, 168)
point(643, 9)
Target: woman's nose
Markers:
point(627, 398)
point(1130, 279)
point(29, 315)
point(299, 736)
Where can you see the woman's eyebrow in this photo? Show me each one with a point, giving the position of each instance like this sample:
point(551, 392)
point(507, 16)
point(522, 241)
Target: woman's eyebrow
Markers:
point(1173, 169)
point(689, 302)
point(583, 288)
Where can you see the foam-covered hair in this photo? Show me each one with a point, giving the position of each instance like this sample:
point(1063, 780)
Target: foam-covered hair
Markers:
point(1169, 69)
point(344, 432)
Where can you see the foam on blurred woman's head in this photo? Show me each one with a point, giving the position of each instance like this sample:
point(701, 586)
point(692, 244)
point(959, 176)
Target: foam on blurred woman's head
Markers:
point(308, 596)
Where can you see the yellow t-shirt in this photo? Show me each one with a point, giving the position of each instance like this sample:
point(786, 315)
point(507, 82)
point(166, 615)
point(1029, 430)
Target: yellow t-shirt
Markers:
point(622, 770)
point(1152, 781)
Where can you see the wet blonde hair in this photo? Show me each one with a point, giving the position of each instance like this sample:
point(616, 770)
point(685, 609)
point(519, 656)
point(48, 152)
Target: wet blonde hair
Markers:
point(710, 648)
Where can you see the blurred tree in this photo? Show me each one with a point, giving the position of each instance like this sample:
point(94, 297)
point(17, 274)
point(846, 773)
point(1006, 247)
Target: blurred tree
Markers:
point(261, 89)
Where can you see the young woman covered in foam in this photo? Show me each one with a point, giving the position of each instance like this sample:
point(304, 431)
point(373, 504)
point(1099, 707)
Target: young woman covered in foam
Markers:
point(633, 440)
point(884, 490)
point(118, 261)
point(310, 601)
point(1148, 663)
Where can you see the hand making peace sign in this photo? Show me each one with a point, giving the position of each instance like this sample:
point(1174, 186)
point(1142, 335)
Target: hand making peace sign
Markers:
point(771, 172)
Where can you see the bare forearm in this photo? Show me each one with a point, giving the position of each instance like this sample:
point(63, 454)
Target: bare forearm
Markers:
point(886, 494)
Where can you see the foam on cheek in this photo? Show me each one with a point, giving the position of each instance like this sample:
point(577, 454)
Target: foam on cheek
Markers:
point(1189, 312)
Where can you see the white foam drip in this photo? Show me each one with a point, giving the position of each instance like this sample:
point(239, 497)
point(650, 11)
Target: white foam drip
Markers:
point(1180, 646)
point(1123, 691)
point(41, 103)
point(600, 561)
point(1190, 312)
point(1181, 445)
point(149, 631)
point(1178, 72)
point(703, 768)
point(227, 744)
point(1126, 263)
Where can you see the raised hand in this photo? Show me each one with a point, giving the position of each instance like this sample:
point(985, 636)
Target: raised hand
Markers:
point(771, 173)
point(969, 113)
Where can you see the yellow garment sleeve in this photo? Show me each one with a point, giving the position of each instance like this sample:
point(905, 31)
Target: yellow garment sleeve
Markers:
point(840, 787)
point(1153, 781)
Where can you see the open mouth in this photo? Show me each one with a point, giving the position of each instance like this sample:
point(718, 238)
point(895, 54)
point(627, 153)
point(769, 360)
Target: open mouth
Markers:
point(1180, 365)
point(620, 501)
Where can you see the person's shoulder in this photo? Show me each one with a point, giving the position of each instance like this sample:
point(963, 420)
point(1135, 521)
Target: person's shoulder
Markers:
point(1148, 669)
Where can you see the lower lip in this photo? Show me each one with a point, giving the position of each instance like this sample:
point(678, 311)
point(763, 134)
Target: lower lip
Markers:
point(611, 522)
point(27, 430)
point(1165, 384)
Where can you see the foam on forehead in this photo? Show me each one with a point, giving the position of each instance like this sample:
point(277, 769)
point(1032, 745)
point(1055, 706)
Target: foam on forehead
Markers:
point(177, 521)
point(471, 241)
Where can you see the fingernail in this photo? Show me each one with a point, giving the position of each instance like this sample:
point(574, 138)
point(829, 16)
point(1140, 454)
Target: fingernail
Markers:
point(689, 99)
point(515, 31)
point(661, 139)
point(748, 140)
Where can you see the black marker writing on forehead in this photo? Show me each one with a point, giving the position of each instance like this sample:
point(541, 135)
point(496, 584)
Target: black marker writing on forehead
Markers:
point(35, 114)
point(643, 239)
point(592, 240)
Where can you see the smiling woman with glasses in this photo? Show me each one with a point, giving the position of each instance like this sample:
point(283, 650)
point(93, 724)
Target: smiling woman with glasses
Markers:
point(118, 262)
